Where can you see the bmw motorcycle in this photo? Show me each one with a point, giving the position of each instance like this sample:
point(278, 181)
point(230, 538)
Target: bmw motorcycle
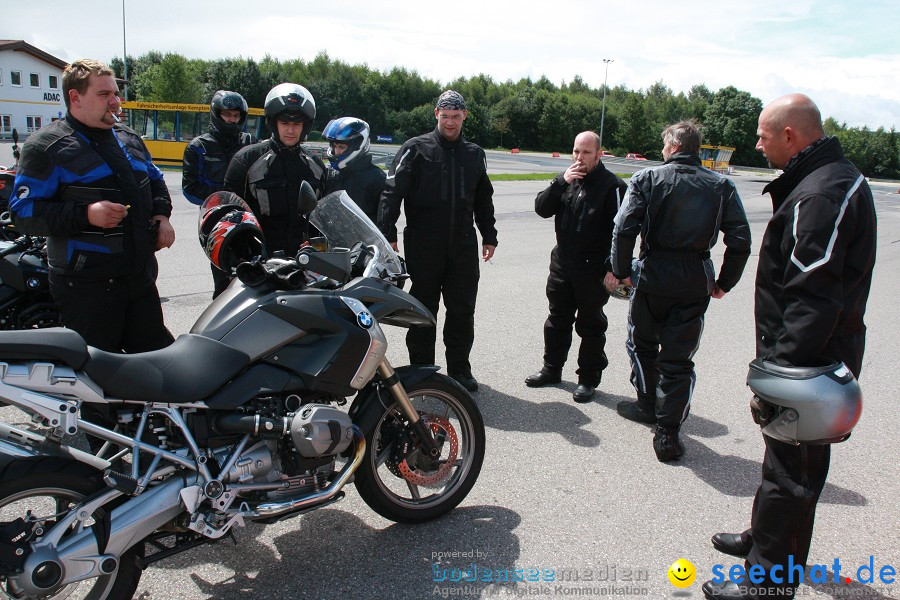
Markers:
point(240, 420)
point(25, 301)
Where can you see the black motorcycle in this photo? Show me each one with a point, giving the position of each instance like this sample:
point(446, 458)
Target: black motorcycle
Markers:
point(7, 182)
point(239, 420)
point(25, 301)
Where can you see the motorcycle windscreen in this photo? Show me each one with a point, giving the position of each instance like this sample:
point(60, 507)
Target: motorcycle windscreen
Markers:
point(344, 223)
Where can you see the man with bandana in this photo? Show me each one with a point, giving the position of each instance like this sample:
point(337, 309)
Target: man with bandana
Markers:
point(443, 180)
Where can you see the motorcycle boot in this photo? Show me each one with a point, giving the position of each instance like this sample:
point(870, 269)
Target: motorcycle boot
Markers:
point(583, 393)
point(543, 377)
point(735, 544)
point(667, 444)
point(467, 380)
point(636, 411)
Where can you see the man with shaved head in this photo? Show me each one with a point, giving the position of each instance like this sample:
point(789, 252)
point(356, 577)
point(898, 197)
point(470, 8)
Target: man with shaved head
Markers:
point(812, 283)
point(583, 200)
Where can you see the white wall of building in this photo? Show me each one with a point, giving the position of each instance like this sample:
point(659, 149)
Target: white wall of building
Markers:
point(26, 107)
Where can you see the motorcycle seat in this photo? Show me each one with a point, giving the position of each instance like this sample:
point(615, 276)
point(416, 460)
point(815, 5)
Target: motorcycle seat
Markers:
point(55, 344)
point(189, 370)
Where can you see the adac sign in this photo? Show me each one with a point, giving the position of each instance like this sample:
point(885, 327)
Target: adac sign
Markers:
point(52, 97)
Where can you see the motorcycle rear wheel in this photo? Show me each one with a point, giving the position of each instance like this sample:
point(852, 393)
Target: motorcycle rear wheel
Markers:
point(49, 487)
point(408, 488)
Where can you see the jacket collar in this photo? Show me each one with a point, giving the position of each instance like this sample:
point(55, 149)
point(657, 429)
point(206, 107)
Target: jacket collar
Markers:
point(94, 133)
point(444, 142)
point(596, 173)
point(685, 158)
point(821, 152)
point(360, 163)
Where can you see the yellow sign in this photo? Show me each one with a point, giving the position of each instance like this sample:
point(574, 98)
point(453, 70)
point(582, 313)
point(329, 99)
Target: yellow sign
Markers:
point(184, 107)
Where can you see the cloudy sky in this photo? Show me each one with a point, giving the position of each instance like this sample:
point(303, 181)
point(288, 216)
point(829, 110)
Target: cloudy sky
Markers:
point(844, 54)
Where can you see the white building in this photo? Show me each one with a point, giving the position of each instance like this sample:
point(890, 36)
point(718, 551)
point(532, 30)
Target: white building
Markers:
point(30, 88)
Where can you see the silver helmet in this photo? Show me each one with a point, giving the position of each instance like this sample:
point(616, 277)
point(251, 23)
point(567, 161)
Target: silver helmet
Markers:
point(804, 405)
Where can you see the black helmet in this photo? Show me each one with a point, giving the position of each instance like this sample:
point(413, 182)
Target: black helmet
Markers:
point(223, 99)
point(804, 405)
point(290, 102)
point(346, 130)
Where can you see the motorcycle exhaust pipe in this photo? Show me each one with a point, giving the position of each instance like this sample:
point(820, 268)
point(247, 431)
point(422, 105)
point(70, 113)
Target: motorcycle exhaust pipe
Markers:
point(253, 424)
point(277, 509)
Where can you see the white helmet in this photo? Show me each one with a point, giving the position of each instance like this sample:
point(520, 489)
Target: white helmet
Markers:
point(804, 405)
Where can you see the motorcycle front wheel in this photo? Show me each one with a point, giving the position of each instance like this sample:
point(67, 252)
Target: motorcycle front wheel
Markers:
point(41, 492)
point(397, 479)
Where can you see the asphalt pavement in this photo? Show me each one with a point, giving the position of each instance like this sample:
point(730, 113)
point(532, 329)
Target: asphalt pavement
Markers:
point(567, 487)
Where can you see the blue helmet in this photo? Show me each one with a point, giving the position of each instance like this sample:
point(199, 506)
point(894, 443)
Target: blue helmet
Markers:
point(346, 130)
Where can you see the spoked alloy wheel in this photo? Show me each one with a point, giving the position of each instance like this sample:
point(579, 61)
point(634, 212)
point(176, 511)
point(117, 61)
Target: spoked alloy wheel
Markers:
point(397, 479)
point(41, 497)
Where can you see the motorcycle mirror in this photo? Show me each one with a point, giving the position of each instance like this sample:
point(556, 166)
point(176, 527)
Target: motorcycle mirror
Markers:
point(15, 137)
point(308, 199)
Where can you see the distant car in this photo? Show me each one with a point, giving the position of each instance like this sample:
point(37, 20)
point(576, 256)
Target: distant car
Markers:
point(635, 156)
point(607, 154)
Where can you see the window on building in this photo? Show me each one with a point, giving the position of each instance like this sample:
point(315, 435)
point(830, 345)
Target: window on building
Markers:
point(34, 80)
point(53, 82)
point(32, 124)
point(15, 78)
point(5, 124)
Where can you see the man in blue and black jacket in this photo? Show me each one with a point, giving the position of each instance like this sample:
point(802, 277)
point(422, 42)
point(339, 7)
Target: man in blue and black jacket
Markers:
point(88, 184)
point(207, 157)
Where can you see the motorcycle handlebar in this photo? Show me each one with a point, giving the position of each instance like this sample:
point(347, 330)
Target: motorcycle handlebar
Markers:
point(293, 272)
point(20, 245)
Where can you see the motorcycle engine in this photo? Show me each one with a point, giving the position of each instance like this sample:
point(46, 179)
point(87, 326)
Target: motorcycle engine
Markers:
point(318, 430)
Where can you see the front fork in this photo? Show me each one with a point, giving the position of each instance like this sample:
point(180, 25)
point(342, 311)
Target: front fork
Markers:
point(390, 380)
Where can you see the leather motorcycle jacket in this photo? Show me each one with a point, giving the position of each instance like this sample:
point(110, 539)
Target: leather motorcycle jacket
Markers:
point(67, 166)
point(678, 209)
point(444, 185)
point(584, 211)
point(816, 261)
point(362, 181)
point(267, 176)
point(205, 162)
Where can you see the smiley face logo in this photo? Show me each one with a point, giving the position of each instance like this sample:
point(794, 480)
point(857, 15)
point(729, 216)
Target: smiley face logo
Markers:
point(682, 573)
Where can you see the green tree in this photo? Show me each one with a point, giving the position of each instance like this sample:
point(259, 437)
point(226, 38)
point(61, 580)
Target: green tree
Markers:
point(174, 79)
point(636, 133)
point(731, 120)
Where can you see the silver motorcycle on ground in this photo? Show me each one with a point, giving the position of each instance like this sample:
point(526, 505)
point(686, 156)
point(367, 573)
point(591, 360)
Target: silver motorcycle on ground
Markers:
point(239, 420)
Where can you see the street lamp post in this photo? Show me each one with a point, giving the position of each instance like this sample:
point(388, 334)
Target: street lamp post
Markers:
point(124, 53)
point(606, 61)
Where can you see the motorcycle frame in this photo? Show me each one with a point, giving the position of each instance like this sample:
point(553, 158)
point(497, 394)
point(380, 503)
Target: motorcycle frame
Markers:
point(150, 507)
point(53, 395)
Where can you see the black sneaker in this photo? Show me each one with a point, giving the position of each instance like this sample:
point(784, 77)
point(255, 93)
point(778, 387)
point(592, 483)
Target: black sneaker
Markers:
point(466, 380)
point(633, 412)
point(667, 444)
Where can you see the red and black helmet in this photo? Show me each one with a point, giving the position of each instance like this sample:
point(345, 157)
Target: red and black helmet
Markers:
point(216, 206)
point(235, 238)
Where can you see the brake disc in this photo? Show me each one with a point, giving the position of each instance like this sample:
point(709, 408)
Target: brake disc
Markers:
point(417, 476)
